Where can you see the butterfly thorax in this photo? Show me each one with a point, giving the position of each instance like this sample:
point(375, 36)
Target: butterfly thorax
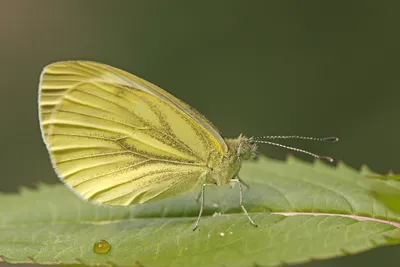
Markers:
point(227, 168)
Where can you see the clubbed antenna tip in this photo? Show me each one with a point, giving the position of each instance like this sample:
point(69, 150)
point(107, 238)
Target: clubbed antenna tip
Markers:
point(331, 139)
point(329, 159)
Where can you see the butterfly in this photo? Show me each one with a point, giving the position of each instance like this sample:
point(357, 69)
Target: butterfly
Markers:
point(117, 139)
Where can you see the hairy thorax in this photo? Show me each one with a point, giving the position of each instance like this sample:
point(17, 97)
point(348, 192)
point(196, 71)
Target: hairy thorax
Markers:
point(223, 169)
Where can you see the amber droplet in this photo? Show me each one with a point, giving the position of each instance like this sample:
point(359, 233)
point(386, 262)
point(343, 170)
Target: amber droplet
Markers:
point(101, 247)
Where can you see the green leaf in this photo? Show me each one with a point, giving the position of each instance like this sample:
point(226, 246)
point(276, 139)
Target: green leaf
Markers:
point(303, 211)
point(388, 192)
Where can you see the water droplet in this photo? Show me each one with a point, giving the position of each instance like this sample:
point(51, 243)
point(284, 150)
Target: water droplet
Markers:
point(101, 247)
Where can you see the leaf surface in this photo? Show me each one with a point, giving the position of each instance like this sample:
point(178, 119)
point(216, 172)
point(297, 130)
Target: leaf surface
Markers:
point(303, 211)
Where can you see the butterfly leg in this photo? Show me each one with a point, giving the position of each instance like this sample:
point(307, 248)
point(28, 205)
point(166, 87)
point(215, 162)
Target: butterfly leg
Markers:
point(201, 198)
point(243, 183)
point(239, 181)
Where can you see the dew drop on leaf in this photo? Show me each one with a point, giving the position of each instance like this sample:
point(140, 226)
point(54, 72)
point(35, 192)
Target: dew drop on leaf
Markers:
point(101, 247)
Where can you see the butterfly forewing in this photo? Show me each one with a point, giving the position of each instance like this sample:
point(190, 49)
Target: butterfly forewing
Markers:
point(118, 139)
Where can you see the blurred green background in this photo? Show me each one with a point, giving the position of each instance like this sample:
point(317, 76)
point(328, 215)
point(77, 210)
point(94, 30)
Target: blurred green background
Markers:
point(317, 68)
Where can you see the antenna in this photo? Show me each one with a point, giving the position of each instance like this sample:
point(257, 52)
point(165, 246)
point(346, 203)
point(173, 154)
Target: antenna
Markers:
point(329, 139)
point(297, 149)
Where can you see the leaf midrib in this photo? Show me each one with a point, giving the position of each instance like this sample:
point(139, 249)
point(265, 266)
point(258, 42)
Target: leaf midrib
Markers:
point(287, 214)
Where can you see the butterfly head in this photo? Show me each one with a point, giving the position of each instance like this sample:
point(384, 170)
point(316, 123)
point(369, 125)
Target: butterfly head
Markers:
point(247, 148)
point(242, 148)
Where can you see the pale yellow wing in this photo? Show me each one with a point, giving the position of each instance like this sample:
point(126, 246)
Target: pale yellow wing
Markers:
point(118, 139)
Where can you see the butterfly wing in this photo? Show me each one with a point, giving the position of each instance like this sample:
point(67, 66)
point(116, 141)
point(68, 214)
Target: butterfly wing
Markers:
point(118, 139)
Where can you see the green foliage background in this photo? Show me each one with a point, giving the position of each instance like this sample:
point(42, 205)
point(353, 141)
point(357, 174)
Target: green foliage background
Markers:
point(257, 67)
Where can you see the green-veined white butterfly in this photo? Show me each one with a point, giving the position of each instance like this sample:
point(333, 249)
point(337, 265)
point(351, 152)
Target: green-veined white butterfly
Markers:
point(117, 139)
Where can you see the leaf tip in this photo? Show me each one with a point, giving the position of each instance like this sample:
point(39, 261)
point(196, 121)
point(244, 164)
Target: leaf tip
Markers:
point(340, 164)
point(366, 171)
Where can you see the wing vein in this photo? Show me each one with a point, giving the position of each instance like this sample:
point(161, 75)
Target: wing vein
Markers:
point(105, 119)
point(93, 156)
point(88, 105)
point(134, 164)
point(52, 123)
point(162, 191)
point(108, 100)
